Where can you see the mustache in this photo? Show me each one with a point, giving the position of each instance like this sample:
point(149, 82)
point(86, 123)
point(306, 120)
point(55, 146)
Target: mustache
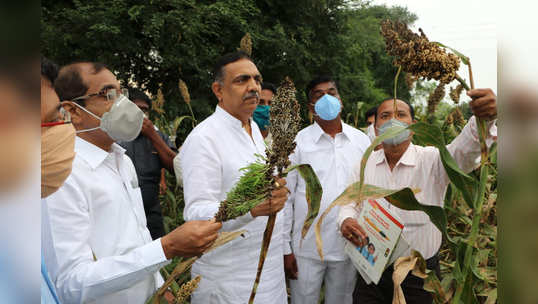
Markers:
point(251, 94)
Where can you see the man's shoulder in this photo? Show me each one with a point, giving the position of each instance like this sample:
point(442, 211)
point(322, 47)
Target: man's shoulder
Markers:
point(355, 134)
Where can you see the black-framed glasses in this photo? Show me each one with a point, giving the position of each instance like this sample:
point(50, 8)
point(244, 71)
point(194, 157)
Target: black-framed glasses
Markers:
point(109, 94)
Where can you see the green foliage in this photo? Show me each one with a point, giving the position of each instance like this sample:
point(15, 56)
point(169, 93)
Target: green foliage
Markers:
point(250, 190)
point(159, 42)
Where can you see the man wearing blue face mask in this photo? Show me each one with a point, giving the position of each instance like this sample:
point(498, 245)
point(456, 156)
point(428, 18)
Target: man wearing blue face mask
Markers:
point(95, 242)
point(331, 147)
point(402, 164)
point(261, 114)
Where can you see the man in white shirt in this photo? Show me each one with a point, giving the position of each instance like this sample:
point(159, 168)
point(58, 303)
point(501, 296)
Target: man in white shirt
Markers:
point(401, 164)
point(330, 146)
point(211, 159)
point(96, 244)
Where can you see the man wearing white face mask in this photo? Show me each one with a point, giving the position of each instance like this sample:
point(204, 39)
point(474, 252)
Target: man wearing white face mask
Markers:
point(96, 244)
point(331, 147)
point(401, 164)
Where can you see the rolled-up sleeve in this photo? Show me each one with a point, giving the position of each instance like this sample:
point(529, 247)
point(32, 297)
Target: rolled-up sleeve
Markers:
point(202, 182)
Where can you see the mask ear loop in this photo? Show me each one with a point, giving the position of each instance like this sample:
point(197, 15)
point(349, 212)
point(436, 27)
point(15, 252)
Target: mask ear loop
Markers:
point(85, 110)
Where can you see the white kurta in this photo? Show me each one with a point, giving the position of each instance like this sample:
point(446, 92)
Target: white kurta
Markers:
point(98, 213)
point(210, 159)
point(333, 160)
point(421, 167)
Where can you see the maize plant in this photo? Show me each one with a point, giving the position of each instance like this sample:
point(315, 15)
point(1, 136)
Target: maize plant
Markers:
point(471, 269)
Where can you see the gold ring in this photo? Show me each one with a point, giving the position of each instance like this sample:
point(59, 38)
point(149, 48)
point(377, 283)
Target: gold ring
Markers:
point(350, 235)
point(277, 185)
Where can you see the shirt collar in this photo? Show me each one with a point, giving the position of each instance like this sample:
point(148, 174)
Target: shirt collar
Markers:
point(409, 158)
point(228, 118)
point(317, 131)
point(94, 155)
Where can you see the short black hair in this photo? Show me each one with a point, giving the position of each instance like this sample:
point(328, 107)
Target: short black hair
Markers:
point(69, 84)
point(317, 80)
point(49, 69)
point(218, 68)
point(371, 244)
point(411, 109)
point(136, 94)
point(269, 86)
point(370, 112)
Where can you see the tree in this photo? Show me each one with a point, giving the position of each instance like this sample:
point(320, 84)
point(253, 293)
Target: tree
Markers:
point(154, 44)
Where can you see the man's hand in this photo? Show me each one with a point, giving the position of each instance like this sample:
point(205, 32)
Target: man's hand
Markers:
point(273, 204)
point(148, 129)
point(353, 232)
point(190, 239)
point(290, 266)
point(484, 103)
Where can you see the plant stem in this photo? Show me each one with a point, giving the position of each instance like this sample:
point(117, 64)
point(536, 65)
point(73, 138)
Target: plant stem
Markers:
point(463, 83)
point(194, 122)
point(395, 88)
point(263, 254)
point(479, 198)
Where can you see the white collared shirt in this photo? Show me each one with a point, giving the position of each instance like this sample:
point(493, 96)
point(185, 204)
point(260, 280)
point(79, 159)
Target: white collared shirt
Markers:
point(421, 167)
point(211, 159)
point(332, 159)
point(98, 214)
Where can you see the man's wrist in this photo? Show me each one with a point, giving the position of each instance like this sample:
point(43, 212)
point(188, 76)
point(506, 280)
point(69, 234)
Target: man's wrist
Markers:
point(166, 247)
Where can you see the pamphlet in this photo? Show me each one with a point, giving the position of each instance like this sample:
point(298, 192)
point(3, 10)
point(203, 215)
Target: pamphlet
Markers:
point(383, 242)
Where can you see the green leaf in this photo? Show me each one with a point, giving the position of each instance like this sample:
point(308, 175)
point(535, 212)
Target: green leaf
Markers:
point(390, 133)
point(177, 122)
point(354, 194)
point(429, 135)
point(463, 58)
point(433, 285)
point(405, 199)
point(314, 192)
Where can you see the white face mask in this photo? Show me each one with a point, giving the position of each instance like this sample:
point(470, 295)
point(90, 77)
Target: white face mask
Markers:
point(122, 122)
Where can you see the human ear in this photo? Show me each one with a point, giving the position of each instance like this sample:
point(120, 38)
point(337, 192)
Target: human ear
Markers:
point(216, 87)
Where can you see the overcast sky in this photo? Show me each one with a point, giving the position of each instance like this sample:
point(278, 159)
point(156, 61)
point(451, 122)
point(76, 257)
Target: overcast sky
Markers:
point(468, 26)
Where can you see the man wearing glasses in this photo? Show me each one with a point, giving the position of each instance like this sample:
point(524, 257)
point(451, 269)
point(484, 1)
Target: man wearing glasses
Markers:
point(95, 242)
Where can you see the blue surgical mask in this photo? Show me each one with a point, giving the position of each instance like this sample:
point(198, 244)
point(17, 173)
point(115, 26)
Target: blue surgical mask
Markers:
point(261, 116)
point(398, 139)
point(328, 107)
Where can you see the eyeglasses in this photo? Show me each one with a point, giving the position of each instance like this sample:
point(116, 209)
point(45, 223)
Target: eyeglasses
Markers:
point(63, 118)
point(109, 94)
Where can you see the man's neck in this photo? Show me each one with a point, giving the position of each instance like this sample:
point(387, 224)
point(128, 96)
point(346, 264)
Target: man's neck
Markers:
point(246, 126)
point(394, 153)
point(103, 144)
point(331, 127)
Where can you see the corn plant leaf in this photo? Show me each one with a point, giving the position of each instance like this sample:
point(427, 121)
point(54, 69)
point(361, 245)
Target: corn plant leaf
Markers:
point(353, 194)
point(313, 194)
point(430, 135)
point(433, 285)
point(463, 58)
point(390, 133)
point(468, 294)
point(405, 199)
point(177, 122)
